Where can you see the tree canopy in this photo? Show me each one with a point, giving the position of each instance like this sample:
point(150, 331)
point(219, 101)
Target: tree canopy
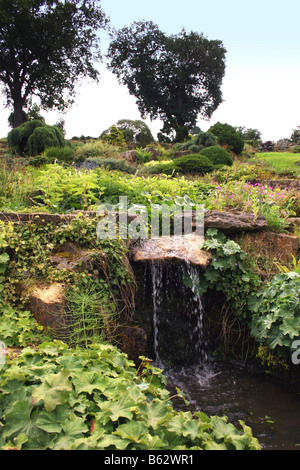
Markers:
point(175, 78)
point(136, 133)
point(46, 46)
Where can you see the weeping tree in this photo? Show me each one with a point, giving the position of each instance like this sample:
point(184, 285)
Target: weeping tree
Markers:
point(175, 78)
point(46, 46)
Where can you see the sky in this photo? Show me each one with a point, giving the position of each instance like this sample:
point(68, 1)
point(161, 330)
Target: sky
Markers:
point(261, 86)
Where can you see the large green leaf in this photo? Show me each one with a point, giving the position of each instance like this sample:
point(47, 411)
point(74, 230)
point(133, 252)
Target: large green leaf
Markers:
point(53, 391)
point(155, 413)
point(134, 431)
point(18, 419)
point(117, 409)
point(88, 381)
point(291, 327)
point(183, 424)
point(51, 421)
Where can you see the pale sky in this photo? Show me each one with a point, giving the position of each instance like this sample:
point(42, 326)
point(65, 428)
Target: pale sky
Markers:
point(261, 87)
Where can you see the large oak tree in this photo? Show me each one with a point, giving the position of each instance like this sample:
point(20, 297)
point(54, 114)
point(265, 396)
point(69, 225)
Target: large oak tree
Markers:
point(46, 46)
point(175, 78)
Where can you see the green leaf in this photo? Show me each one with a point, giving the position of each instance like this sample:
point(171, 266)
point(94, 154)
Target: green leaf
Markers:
point(109, 440)
point(291, 327)
point(51, 421)
point(53, 391)
point(89, 381)
point(4, 259)
point(18, 419)
point(155, 413)
point(183, 424)
point(133, 431)
point(211, 275)
point(16, 444)
point(121, 408)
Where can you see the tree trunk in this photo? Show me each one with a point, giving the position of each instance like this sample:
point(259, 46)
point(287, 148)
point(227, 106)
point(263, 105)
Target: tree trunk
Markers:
point(182, 133)
point(18, 112)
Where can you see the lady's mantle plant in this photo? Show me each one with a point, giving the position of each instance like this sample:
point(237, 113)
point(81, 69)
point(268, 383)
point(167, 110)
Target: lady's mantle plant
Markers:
point(53, 397)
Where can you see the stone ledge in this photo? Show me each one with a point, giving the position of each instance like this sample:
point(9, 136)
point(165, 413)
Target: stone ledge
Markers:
point(174, 248)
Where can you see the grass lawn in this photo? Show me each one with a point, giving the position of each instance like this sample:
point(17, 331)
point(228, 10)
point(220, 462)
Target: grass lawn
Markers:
point(281, 162)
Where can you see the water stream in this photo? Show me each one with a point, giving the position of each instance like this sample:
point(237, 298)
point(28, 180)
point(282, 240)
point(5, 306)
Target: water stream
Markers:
point(215, 387)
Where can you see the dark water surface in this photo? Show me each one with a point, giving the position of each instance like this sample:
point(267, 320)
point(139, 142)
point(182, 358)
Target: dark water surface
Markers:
point(268, 406)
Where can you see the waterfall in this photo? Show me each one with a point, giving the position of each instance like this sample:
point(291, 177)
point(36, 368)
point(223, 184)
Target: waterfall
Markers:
point(196, 333)
point(177, 314)
point(156, 274)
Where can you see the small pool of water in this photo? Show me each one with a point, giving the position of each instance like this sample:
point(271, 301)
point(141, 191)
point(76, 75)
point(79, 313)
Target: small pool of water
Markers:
point(268, 406)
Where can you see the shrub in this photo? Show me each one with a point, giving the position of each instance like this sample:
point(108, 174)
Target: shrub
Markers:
point(135, 133)
point(267, 146)
point(207, 139)
point(65, 154)
point(97, 148)
point(34, 137)
point(163, 167)
point(114, 137)
point(44, 137)
point(17, 138)
point(109, 164)
point(227, 135)
point(217, 155)
point(57, 398)
point(196, 143)
point(194, 163)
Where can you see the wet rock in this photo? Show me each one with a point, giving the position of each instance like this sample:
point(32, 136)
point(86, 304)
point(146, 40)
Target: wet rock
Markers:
point(133, 340)
point(185, 248)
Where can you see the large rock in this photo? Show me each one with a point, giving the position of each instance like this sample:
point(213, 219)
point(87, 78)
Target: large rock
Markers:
point(130, 156)
point(228, 222)
point(47, 304)
point(174, 248)
point(270, 245)
point(233, 222)
point(73, 258)
point(133, 340)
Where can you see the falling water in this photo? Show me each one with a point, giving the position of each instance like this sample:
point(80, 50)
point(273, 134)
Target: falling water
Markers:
point(211, 386)
point(170, 282)
point(156, 272)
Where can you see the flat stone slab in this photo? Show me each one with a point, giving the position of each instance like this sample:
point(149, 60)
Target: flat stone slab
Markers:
point(233, 222)
point(186, 248)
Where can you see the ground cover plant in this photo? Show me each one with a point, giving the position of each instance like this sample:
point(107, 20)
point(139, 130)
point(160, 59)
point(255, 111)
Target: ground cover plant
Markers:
point(54, 397)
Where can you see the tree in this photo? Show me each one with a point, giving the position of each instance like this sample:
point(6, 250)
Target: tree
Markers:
point(136, 133)
point(46, 46)
point(228, 136)
point(32, 114)
point(114, 137)
point(250, 134)
point(295, 137)
point(175, 78)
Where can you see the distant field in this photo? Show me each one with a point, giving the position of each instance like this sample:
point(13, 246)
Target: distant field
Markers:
point(281, 162)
